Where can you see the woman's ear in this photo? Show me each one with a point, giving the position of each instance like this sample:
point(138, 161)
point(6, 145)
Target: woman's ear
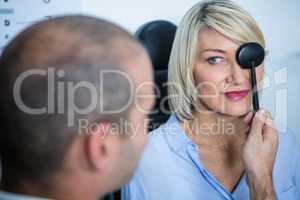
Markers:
point(96, 145)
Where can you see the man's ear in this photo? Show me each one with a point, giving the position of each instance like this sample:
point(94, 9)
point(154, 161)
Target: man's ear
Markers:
point(96, 145)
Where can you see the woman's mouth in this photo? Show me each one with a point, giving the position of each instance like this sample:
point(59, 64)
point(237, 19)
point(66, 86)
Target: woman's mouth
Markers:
point(236, 95)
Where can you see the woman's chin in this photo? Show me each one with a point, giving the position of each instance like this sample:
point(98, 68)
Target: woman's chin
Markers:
point(237, 111)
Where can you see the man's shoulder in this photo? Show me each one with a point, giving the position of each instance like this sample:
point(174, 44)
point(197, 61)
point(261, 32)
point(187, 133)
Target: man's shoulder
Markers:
point(12, 196)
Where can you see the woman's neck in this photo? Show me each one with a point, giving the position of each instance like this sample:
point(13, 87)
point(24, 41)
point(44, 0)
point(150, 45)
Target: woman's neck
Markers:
point(215, 129)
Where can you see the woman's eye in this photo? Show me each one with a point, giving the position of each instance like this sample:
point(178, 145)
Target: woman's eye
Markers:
point(215, 60)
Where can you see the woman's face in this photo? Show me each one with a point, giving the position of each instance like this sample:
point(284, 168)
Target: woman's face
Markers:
point(223, 86)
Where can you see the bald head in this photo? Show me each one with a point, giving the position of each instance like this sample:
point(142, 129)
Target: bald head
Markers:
point(38, 68)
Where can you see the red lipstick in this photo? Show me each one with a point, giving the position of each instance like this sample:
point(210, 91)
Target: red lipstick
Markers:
point(236, 95)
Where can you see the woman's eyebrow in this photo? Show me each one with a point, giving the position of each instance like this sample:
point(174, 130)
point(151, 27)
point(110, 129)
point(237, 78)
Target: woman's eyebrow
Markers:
point(215, 50)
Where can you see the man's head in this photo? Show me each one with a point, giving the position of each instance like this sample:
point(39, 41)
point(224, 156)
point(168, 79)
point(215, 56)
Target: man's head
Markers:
point(69, 105)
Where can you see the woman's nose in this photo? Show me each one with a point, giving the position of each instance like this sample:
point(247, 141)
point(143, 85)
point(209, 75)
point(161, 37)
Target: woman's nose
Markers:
point(237, 75)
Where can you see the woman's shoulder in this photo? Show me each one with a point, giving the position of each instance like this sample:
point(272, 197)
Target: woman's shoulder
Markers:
point(287, 160)
point(158, 151)
point(159, 138)
point(288, 148)
point(288, 142)
point(157, 145)
point(157, 165)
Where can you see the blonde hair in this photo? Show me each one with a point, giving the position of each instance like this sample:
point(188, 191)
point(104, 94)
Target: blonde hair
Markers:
point(224, 16)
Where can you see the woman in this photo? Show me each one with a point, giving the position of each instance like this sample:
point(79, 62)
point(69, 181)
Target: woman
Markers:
point(205, 150)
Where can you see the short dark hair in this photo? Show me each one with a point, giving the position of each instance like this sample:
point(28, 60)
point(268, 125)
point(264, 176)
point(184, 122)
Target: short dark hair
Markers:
point(33, 146)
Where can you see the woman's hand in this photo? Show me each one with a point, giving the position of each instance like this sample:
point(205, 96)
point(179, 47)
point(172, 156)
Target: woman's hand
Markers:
point(259, 152)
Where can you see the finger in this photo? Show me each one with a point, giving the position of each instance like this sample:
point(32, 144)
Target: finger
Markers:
point(269, 129)
point(247, 119)
point(269, 121)
point(258, 122)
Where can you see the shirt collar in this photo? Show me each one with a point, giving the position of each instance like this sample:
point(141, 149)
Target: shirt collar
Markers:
point(174, 134)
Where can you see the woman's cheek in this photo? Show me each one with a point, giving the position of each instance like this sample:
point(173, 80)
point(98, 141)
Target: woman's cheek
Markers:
point(208, 80)
point(259, 76)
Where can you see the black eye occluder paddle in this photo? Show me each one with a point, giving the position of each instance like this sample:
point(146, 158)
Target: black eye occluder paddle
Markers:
point(249, 56)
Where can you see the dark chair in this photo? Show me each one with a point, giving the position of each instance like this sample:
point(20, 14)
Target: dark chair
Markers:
point(157, 37)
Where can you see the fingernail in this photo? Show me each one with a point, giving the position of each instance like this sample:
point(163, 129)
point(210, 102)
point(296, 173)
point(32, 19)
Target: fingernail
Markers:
point(261, 112)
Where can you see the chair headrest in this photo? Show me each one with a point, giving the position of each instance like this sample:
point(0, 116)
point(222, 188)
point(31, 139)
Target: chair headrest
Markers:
point(157, 37)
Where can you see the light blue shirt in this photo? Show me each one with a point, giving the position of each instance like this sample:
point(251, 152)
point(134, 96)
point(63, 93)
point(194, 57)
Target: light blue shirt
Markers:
point(170, 168)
